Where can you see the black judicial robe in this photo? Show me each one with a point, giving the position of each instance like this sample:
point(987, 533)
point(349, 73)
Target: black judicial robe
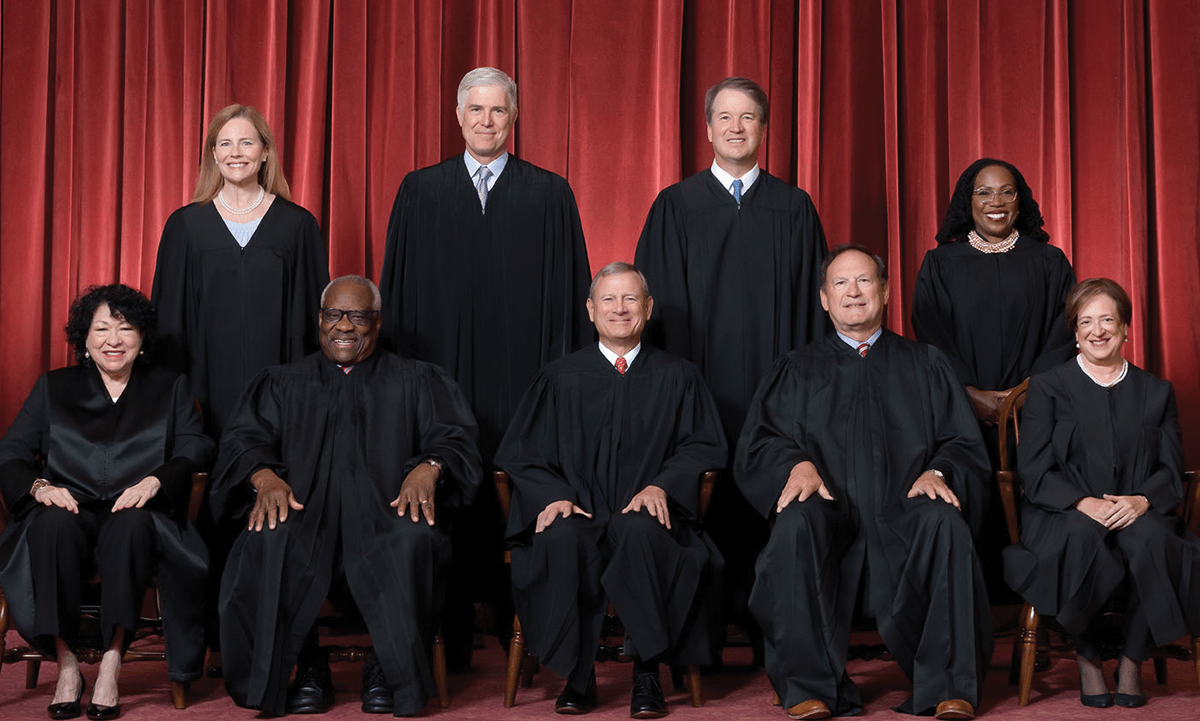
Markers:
point(1079, 439)
point(344, 443)
point(587, 434)
point(493, 297)
point(871, 426)
point(96, 449)
point(226, 312)
point(998, 317)
point(733, 288)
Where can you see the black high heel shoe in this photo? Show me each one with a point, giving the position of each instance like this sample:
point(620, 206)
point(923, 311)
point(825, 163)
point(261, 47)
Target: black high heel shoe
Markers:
point(96, 712)
point(68, 709)
point(1127, 700)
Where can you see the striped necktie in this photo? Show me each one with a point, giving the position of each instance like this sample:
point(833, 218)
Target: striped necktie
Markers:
point(863, 348)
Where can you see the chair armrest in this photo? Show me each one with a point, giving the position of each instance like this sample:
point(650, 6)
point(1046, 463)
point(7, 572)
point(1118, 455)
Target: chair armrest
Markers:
point(1190, 508)
point(1008, 481)
point(503, 491)
point(196, 497)
point(708, 480)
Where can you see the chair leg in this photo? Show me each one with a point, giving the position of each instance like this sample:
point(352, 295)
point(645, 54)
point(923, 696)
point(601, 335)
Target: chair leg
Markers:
point(1027, 638)
point(1160, 670)
point(693, 682)
point(1196, 655)
point(178, 689)
point(439, 671)
point(516, 653)
point(31, 673)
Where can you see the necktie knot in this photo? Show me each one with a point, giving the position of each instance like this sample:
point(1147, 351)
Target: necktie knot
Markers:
point(621, 365)
point(481, 186)
point(737, 191)
point(863, 348)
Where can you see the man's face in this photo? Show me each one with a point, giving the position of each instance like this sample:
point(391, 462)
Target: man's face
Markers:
point(735, 130)
point(345, 342)
point(620, 308)
point(486, 120)
point(853, 295)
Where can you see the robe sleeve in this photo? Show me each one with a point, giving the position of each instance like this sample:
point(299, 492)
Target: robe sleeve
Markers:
point(1059, 345)
point(170, 294)
point(1163, 487)
point(529, 453)
point(391, 276)
point(190, 449)
point(662, 257)
point(251, 441)
point(933, 316)
point(772, 442)
point(447, 433)
point(699, 445)
point(573, 275)
point(22, 444)
point(808, 234)
point(1044, 483)
point(310, 279)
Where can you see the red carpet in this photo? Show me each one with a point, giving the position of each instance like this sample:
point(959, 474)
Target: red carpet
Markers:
point(736, 693)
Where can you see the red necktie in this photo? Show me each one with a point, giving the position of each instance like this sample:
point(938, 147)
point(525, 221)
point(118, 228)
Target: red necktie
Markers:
point(621, 365)
point(863, 348)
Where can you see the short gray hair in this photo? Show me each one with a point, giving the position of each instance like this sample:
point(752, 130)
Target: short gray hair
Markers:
point(376, 298)
point(484, 76)
point(617, 267)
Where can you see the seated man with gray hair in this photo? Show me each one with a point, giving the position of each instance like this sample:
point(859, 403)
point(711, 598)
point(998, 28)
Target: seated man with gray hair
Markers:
point(344, 465)
point(605, 452)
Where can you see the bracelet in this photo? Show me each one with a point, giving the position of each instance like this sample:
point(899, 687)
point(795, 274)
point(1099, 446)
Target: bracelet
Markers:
point(38, 484)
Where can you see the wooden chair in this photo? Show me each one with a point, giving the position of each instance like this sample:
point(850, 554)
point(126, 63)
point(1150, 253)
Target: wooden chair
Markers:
point(522, 666)
point(1028, 646)
point(149, 627)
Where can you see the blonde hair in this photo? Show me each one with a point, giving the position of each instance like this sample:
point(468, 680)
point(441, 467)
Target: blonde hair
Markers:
point(270, 173)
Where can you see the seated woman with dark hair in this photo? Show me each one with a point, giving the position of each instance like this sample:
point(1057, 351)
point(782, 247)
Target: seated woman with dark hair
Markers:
point(101, 456)
point(1101, 460)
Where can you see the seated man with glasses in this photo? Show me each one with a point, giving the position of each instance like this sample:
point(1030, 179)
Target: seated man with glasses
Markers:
point(344, 465)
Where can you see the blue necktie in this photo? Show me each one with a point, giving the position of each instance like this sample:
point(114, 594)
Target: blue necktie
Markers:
point(737, 191)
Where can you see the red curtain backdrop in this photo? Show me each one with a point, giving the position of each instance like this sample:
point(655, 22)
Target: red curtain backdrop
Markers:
point(877, 105)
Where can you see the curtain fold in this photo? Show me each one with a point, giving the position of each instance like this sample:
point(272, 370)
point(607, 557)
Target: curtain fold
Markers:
point(877, 106)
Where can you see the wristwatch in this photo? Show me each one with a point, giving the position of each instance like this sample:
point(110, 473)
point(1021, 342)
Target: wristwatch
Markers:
point(38, 483)
point(936, 472)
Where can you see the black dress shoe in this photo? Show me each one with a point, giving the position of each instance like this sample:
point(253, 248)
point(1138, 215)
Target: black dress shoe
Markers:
point(96, 712)
point(646, 699)
point(312, 691)
point(572, 702)
point(376, 695)
point(68, 709)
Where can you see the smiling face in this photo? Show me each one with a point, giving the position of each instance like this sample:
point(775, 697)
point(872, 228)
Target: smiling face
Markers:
point(1100, 332)
point(620, 308)
point(346, 342)
point(486, 120)
point(854, 295)
point(239, 152)
point(735, 130)
point(994, 203)
point(113, 343)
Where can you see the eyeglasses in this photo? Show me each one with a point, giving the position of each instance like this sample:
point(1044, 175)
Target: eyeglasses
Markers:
point(987, 195)
point(357, 317)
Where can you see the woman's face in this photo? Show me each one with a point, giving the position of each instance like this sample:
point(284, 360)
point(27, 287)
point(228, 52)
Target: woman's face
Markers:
point(1099, 331)
point(113, 342)
point(994, 203)
point(239, 152)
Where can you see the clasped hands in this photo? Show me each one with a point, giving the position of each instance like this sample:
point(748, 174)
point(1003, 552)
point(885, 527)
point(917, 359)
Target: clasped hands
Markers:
point(804, 481)
point(651, 499)
point(275, 498)
point(1113, 512)
point(135, 496)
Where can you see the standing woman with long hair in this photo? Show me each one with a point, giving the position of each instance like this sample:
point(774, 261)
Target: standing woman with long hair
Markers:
point(238, 284)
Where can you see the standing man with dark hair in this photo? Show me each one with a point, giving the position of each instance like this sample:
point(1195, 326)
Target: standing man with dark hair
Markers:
point(733, 254)
point(863, 448)
point(482, 275)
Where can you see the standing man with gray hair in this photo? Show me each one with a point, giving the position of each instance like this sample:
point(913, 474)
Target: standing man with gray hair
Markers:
point(484, 266)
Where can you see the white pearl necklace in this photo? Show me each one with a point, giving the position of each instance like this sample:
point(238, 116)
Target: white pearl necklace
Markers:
point(262, 193)
point(985, 247)
point(1120, 376)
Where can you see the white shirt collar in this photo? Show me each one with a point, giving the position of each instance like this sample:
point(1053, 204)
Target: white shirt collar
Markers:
point(854, 343)
point(496, 166)
point(726, 180)
point(612, 357)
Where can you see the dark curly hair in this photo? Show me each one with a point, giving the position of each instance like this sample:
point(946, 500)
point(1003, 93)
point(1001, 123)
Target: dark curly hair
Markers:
point(123, 302)
point(958, 221)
